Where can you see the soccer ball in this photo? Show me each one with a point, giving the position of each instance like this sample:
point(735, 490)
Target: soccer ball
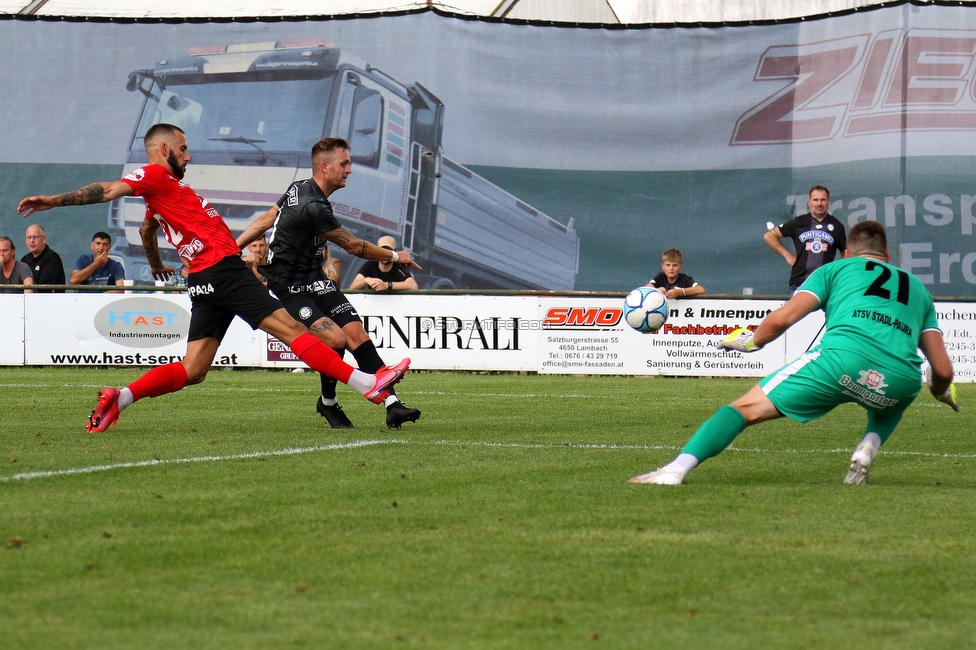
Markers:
point(646, 309)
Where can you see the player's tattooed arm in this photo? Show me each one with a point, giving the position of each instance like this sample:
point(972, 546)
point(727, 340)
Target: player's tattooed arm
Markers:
point(347, 241)
point(362, 248)
point(150, 244)
point(92, 193)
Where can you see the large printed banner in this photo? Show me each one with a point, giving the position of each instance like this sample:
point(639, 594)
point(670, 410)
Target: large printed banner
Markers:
point(554, 335)
point(591, 337)
point(573, 172)
point(12, 326)
point(119, 330)
point(442, 332)
point(958, 323)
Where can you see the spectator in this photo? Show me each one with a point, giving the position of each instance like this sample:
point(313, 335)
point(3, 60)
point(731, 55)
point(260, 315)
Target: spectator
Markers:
point(671, 281)
point(384, 276)
point(817, 238)
point(97, 268)
point(44, 263)
point(12, 271)
point(257, 255)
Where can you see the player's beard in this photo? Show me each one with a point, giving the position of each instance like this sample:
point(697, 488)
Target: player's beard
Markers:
point(174, 164)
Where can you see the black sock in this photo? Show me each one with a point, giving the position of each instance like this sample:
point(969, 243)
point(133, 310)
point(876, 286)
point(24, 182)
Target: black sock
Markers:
point(367, 357)
point(328, 383)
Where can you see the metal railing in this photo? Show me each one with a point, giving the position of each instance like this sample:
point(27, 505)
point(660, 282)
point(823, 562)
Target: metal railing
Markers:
point(140, 288)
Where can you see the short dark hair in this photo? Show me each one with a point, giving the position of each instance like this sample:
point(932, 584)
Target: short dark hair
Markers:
point(158, 130)
point(102, 235)
point(818, 187)
point(328, 145)
point(11, 241)
point(867, 237)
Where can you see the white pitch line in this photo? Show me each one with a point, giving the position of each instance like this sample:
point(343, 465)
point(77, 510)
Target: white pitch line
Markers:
point(442, 393)
point(613, 446)
point(301, 389)
point(542, 445)
point(26, 476)
point(292, 451)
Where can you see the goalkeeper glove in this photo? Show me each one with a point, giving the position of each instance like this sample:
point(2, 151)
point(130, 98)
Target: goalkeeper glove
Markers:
point(948, 397)
point(740, 339)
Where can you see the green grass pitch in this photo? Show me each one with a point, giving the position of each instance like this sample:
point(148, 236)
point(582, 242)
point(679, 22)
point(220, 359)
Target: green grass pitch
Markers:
point(230, 516)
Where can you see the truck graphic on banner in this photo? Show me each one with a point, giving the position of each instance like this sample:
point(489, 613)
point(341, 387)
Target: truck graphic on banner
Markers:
point(251, 113)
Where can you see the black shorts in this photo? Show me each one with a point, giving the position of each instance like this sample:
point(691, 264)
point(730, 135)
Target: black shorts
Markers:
point(309, 302)
point(222, 291)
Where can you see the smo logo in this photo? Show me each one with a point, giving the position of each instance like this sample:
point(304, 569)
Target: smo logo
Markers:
point(582, 318)
point(142, 322)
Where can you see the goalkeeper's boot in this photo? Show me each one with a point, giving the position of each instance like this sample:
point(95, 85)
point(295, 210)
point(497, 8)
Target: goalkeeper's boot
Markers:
point(334, 415)
point(397, 413)
point(386, 378)
point(661, 476)
point(106, 413)
point(860, 467)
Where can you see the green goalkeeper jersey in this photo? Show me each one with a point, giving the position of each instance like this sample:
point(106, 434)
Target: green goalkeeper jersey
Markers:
point(874, 309)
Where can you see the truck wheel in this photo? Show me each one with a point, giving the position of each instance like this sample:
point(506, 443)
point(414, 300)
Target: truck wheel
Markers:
point(440, 283)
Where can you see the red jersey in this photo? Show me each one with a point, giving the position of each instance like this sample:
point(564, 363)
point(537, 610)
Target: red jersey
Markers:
point(194, 228)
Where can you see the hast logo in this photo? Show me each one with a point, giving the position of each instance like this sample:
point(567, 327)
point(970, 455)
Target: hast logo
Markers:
point(142, 322)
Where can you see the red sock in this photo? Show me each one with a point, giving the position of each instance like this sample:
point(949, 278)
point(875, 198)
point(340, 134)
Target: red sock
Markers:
point(321, 358)
point(159, 381)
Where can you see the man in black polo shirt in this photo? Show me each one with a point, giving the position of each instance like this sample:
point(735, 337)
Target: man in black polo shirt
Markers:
point(817, 238)
point(44, 263)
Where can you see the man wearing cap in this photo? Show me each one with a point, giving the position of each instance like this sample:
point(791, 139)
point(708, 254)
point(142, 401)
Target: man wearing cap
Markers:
point(299, 227)
point(384, 276)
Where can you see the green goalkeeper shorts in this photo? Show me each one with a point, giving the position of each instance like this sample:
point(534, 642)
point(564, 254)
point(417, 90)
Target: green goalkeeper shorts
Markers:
point(820, 380)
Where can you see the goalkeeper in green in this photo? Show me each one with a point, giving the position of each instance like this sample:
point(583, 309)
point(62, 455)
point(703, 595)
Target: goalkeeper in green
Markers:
point(878, 317)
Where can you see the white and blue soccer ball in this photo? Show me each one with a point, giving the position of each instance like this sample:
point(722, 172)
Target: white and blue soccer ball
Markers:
point(646, 309)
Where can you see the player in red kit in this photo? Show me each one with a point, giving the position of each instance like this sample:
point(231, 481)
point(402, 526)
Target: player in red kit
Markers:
point(219, 283)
